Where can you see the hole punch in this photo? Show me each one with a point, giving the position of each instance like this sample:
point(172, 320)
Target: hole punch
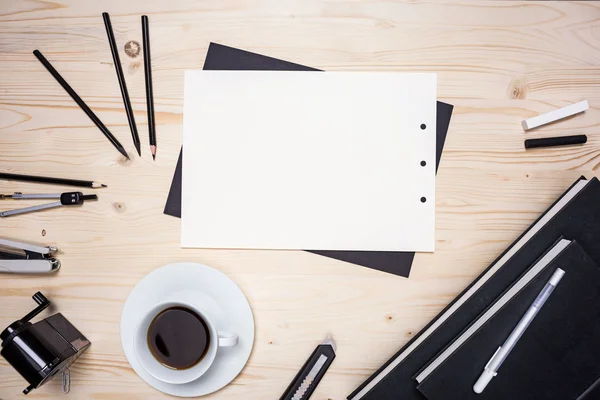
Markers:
point(423, 127)
point(423, 199)
point(423, 163)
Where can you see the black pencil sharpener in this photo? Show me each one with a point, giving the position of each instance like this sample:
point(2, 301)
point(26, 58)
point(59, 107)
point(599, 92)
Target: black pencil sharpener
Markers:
point(42, 350)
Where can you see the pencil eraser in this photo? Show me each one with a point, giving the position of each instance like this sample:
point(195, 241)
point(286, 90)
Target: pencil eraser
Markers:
point(555, 115)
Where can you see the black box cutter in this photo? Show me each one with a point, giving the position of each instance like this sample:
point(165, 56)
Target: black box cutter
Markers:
point(306, 380)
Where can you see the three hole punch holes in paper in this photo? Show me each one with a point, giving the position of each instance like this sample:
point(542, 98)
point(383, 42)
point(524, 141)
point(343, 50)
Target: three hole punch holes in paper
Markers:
point(423, 163)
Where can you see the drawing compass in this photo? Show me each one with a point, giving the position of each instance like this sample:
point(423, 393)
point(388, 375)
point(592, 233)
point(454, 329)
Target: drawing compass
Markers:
point(64, 199)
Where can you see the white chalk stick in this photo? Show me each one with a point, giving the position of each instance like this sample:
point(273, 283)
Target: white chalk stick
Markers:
point(555, 115)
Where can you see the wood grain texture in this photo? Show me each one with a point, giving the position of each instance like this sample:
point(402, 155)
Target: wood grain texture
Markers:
point(498, 62)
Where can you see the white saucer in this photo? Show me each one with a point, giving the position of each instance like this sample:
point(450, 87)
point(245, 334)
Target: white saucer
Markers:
point(218, 296)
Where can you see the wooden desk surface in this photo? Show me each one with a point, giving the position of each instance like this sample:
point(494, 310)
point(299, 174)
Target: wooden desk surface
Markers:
point(498, 62)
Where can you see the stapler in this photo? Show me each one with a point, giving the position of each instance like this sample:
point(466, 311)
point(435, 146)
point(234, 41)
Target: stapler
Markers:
point(24, 258)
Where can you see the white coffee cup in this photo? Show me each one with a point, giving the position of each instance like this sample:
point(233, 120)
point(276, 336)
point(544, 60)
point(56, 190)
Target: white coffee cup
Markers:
point(178, 376)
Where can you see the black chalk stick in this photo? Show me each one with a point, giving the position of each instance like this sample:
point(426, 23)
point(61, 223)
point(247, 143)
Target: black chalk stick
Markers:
point(555, 141)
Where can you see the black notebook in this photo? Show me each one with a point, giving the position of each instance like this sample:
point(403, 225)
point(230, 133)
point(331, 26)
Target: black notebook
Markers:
point(548, 257)
point(221, 57)
point(557, 356)
point(575, 215)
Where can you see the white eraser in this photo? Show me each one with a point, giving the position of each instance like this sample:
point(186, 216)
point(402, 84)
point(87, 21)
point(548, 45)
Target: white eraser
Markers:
point(555, 115)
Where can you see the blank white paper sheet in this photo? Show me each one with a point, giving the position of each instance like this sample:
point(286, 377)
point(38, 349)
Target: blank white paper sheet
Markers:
point(309, 160)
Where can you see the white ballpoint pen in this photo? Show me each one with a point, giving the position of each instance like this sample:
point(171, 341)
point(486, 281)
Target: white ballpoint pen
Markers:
point(491, 368)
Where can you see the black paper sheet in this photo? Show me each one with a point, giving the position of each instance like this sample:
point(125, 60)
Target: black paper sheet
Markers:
point(221, 57)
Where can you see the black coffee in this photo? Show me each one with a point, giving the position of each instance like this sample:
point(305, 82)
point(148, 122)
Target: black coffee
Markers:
point(178, 338)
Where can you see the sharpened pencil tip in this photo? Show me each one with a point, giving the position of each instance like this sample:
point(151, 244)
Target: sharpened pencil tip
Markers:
point(122, 151)
point(154, 157)
point(103, 185)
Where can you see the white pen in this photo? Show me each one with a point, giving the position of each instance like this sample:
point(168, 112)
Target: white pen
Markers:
point(491, 368)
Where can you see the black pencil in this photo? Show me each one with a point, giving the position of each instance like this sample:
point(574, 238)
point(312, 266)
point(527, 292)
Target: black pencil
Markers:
point(54, 181)
point(80, 102)
point(122, 84)
point(149, 94)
